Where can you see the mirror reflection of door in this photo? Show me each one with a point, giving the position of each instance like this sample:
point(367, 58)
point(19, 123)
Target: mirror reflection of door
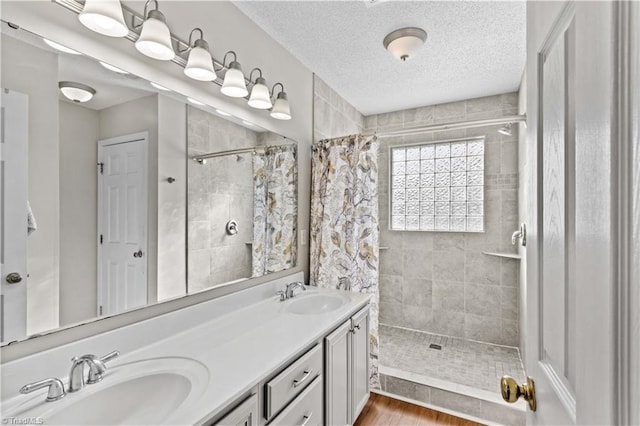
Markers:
point(15, 224)
point(122, 224)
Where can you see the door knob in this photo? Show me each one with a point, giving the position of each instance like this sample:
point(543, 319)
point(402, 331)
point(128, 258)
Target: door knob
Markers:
point(511, 391)
point(14, 278)
point(137, 253)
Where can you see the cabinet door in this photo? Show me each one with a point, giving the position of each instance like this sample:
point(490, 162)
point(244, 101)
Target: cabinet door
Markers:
point(245, 414)
point(338, 375)
point(360, 362)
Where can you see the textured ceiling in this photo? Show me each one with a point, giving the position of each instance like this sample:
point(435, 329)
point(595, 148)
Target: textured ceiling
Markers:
point(473, 49)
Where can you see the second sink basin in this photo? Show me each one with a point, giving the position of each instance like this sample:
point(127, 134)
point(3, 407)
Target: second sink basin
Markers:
point(315, 303)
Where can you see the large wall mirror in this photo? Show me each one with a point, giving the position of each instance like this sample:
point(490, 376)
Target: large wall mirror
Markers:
point(122, 194)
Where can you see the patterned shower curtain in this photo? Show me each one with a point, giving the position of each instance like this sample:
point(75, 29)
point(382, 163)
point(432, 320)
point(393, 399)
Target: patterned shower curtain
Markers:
point(344, 223)
point(275, 209)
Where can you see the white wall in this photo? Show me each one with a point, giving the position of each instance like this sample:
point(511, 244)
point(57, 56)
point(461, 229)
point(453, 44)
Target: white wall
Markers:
point(172, 213)
point(78, 212)
point(28, 70)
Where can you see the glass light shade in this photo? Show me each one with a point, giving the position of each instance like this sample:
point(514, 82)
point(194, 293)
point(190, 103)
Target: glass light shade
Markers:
point(405, 43)
point(260, 97)
point(281, 109)
point(234, 84)
point(155, 39)
point(104, 17)
point(200, 65)
point(76, 92)
point(60, 47)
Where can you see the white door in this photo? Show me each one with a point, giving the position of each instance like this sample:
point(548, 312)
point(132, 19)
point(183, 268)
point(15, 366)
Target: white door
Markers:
point(570, 344)
point(122, 224)
point(337, 370)
point(360, 362)
point(13, 203)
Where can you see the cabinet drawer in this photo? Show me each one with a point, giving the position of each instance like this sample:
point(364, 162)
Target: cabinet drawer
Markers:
point(288, 384)
point(304, 410)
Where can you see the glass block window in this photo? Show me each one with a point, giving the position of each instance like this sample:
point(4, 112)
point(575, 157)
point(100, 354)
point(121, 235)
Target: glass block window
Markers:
point(438, 187)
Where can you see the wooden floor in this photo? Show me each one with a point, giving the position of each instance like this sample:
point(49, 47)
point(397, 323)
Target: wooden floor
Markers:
point(384, 411)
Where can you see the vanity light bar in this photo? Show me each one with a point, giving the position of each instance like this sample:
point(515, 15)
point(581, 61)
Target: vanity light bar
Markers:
point(135, 21)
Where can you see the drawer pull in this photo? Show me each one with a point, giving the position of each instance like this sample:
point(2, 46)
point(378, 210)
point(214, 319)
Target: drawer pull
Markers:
point(307, 373)
point(306, 419)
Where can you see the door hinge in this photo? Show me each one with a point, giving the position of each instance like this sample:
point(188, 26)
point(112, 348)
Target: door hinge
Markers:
point(101, 167)
point(100, 310)
point(101, 238)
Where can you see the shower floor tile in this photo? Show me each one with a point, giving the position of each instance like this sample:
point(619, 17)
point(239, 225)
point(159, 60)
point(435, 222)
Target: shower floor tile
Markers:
point(472, 364)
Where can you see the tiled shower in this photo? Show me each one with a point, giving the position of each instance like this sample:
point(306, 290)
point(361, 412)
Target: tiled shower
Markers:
point(449, 324)
point(449, 314)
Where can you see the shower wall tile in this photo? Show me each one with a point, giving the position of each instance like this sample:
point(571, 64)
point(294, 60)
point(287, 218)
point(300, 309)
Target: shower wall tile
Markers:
point(391, 288)
point(472, 294)
point(334, 116)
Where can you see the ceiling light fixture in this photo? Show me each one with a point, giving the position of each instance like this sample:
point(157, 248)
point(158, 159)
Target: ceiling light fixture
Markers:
point(112, 68)
point(280, 110)
point(260, 97)
point(233, 84)
point(104, 17)
point(60, 47)
point(200, 64)
point(405, 42)
point(159, 87)
point(195, 102)
point(155, 38)
point(76, 92)
point(505, 130)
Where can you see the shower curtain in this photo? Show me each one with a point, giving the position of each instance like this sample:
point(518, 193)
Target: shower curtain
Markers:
point(275, 209)
point(344, 223)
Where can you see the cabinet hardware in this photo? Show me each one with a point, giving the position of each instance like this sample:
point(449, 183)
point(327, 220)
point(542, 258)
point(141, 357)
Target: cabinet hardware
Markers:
point(306, 418)
point(307, 373)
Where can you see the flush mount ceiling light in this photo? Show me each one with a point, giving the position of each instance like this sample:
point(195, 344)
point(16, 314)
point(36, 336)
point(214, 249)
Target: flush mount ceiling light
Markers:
point(200, 64)
point(155, 38)
point(112, 68)
point(505, 130)
point(195, 101)
point(77, 92)
point(260, 97)
point(104, 17)
point(60, 47)
point(405, 42)
point(280, 110)
point(159, 87)
point(234, 84)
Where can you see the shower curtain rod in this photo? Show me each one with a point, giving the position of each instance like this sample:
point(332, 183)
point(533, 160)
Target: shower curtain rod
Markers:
point(451, 126)
point(201, 158)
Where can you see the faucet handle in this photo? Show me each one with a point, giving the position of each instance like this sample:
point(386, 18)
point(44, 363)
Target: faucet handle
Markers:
point(56, 388)
point(97, 366)
point(282, 294)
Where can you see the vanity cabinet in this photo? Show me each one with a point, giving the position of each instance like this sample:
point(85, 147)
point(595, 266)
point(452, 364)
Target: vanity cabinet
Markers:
point(347, 369)
point(245, 414)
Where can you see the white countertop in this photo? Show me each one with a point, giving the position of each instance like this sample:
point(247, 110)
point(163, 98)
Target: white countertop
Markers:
point(239, 349)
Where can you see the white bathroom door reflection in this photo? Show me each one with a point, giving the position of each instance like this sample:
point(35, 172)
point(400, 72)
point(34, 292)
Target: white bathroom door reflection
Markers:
point(122, 224)
point(13, 295)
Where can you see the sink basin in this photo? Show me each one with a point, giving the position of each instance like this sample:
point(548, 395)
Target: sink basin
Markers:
point(314, 304)
point(138, 393)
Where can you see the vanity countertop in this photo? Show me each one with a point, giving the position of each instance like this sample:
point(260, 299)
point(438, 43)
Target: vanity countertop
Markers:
point(238, 349)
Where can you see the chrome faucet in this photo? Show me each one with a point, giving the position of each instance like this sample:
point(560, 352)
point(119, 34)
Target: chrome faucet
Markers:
point(289, 292)
point(97, 369)
point(56, 388)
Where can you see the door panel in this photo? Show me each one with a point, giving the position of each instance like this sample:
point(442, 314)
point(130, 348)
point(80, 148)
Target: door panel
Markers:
point(338, 369)
point(13, 244)
point(569, 345)
point(122, 207)
point(360, 359)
